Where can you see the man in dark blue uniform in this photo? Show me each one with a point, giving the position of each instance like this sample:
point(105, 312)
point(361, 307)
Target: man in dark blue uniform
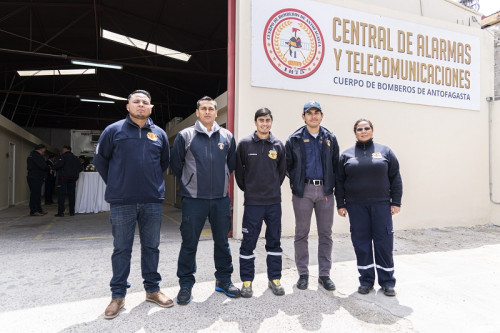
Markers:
point(68, 169)
point(312, 155)
point(37, 169)
point(260, 171)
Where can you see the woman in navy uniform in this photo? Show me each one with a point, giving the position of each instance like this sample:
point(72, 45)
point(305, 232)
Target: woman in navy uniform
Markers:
point(369, 189)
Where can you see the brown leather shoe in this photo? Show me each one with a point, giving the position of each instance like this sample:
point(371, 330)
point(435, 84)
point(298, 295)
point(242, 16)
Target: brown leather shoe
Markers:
point(44, 213)
point(36, 214)
point(114, 307)
point(160, 299)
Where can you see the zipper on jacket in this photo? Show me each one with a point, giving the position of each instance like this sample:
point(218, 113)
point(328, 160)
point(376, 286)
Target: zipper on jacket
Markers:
point(211, 166)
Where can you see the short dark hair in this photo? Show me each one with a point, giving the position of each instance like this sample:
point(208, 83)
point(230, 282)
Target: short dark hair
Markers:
point(262, 112)
point(40, 146)
point(67, 147)
point(360, 121)
point(206, 98)
point(139, 91)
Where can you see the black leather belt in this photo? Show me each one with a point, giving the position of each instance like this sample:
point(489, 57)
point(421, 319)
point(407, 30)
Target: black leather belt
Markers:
point(315, 182)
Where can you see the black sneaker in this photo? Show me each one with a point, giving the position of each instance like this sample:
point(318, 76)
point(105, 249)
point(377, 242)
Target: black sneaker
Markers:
point(227, 288)
point(389, 291)
point(303, 282)
point(364, 289)
point(184, 296)
point(326, 282)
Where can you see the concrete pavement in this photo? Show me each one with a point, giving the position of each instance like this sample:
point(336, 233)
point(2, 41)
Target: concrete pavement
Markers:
point(54, 277)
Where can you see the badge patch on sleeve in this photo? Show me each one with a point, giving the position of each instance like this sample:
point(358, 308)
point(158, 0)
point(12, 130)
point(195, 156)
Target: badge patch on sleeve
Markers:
point(273, 154)
point(152, 136)
point(376, 155)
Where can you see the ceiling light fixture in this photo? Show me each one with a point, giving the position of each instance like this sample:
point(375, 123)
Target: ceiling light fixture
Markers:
point(95, 64)
point(50, 72)
point(105, 101)
point(112, 97)
point(161, 50)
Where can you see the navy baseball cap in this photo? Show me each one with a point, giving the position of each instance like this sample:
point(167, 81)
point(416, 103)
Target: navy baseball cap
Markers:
point(310, 105)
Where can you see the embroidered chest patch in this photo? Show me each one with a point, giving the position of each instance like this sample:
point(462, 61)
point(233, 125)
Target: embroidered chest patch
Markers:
point(273, 154)
point(152, 136)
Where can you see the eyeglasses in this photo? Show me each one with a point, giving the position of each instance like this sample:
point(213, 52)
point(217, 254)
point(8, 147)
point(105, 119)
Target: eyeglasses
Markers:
point(360, 129)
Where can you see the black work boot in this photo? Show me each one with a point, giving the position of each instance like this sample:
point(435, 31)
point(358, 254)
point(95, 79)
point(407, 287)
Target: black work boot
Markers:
point(326, 282)
point(303, 282)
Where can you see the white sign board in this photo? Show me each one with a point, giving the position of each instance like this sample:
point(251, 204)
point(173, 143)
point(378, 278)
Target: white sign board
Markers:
point(320, 48)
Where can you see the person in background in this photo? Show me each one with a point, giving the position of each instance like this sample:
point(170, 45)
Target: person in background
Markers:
point(50, 180)
point(369, 189)
point(84, 160)
point(260, 171)
point(312, 155)
point(68, 168)
point(131, 156)
point(37, 170)
point(203, 157)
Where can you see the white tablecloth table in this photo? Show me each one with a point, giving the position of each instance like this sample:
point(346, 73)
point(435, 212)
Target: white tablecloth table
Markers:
point(90, 190)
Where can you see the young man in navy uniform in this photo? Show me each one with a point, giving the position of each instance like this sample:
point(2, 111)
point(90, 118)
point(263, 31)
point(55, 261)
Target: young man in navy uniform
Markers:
point(312, 155)
point(260, 171)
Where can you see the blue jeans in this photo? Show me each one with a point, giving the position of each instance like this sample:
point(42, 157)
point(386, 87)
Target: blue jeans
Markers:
point(123, 219)
point(194, 215)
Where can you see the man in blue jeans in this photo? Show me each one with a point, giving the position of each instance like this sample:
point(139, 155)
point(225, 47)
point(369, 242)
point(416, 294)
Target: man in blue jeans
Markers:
point(131, 156)
point(203, 157)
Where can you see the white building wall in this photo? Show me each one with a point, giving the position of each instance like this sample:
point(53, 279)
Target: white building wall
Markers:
point(24, 143)
point(443, 152)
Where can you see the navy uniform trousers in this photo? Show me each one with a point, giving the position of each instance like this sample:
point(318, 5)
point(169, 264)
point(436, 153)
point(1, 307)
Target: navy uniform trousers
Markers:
point(252, 224)
point(372, 224)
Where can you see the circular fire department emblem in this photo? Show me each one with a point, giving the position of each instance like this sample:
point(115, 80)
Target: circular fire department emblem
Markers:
point(293, 43)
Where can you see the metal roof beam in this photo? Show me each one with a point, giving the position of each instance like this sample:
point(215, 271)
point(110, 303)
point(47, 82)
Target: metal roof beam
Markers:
point(63, 30)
